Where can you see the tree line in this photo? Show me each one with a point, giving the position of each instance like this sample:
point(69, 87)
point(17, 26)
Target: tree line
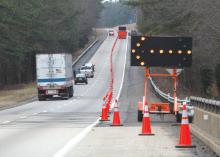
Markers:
point(198, 19)
point(115, 13)
point(28, 27)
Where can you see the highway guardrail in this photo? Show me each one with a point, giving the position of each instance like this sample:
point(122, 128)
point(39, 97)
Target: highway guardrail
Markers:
point(167, 97)
point(87, 49)
point(206, 104)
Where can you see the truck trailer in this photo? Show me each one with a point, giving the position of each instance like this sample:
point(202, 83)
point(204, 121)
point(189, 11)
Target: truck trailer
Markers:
point(54, 75)
point(122, 32)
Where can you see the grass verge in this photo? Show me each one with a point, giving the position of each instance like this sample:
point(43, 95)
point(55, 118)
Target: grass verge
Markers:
point(16, 94)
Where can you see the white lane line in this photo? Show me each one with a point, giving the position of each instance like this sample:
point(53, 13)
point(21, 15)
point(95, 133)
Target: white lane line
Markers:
point(75, 140)
point(22, 117)
point(123, 76)
point(35, 114)
point(6, 122)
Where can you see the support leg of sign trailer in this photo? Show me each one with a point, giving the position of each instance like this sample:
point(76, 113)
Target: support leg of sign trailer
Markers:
point(146, 124)
point(174, 90)
point(145, 89)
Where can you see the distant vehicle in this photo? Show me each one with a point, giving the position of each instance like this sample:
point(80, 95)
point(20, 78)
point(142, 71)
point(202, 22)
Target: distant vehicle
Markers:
point(90, 65)
point(111, 32)
point(88, 71)
point(81, 78)
point(134, 32)
point(54, 75)
point(122, 32)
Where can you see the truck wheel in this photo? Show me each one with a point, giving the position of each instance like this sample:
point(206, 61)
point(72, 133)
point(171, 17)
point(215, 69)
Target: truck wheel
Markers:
point(65, 97)
point(41, 98)
point(71, 91)
point(140, 116)
point(86, 82)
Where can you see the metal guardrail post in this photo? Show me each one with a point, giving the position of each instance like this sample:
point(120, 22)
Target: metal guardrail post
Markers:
point(206, 104)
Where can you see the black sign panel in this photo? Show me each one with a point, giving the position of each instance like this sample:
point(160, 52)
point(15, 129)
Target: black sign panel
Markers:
point(161, 51)
point(122, 28)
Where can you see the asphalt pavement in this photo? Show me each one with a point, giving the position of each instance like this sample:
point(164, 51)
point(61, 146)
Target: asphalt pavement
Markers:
point(71, 128)
point(43, 128)
point(106, 141)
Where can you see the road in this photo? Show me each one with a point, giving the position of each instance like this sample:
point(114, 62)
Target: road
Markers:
point(43, 128)
point(69, 128)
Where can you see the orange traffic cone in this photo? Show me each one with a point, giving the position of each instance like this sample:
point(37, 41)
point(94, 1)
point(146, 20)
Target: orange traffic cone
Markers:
point(185, 138)
point(109, 99)
point(116, 116)
point(104, 116)
point(146, 125)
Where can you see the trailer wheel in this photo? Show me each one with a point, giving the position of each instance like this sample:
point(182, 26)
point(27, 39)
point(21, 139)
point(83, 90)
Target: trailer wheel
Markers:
point(41, 98)
point(190, 119)
point(140, 115)
point(178, 118)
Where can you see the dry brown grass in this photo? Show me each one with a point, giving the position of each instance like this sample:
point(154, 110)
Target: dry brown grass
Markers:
point(10, 96)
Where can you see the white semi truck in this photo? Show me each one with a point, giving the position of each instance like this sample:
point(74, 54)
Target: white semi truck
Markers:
point(54, 75)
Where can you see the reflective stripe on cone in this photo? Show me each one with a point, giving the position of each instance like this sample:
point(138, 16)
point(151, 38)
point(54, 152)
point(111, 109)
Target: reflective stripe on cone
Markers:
point(146, 124)
point(185, 137)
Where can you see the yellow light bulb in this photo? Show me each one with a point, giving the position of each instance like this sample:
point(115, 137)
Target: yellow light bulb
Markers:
point(133, 50)
point(161, 51)
point(138, 44)
point(179, 51)
point(143, 38)
point(142, 63)
point(151, 51)
point(189, 52)
point(170, 51)
point(138, 57)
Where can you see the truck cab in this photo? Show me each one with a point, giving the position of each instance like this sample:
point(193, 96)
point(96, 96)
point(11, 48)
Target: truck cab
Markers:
point(122, 32)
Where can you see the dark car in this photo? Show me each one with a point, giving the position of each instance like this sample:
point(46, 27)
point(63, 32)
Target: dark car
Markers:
point(81, 78)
